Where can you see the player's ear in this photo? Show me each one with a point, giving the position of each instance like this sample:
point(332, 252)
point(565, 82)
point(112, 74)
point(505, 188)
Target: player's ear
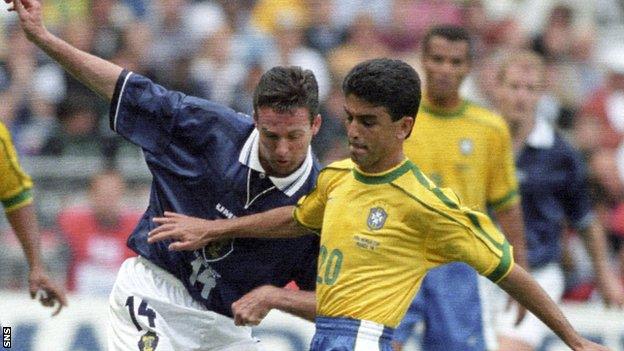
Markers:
point(405, 127)
point(316, 124)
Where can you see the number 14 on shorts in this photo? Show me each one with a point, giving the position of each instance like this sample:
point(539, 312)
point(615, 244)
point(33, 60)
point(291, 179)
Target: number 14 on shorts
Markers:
point(143, 310)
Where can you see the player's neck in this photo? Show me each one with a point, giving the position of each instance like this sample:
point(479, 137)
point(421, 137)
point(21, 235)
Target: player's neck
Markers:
point(447, 103)
point(384, 164)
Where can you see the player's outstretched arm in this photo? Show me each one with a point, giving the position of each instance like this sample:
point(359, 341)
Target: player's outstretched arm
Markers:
point(256, 304)
point(24, 224)
point(97, 74)
point(608, 283)
point(519, 284)
point(191, 233)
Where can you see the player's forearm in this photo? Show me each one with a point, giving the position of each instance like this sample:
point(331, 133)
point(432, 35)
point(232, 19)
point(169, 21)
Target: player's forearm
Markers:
point(300, 303)
point(524, 289)
point(24, 224)
point(96, 73)
point(275, 223)
point(595, 242)
point(512, 224)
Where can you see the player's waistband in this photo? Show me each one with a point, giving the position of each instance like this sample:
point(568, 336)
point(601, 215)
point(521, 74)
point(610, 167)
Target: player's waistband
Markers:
point(357, 328)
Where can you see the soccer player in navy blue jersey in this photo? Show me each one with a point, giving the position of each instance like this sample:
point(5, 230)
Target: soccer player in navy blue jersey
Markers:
point(211, 162)
point(554, 191)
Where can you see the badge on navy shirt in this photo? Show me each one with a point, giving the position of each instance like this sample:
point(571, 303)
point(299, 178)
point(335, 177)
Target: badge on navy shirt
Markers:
point(376, 218)
point(218, 250)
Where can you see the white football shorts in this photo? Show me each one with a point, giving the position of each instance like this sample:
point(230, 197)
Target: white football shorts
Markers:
point(152, 310)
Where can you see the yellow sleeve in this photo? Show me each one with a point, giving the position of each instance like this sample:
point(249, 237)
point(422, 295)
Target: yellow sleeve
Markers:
point(502, 189)
point(458, 234)
point(15, 184)
point(310, 209)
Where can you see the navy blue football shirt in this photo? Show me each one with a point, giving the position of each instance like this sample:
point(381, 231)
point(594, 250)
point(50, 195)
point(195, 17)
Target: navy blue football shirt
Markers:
point(554, 192)
point(204, 161)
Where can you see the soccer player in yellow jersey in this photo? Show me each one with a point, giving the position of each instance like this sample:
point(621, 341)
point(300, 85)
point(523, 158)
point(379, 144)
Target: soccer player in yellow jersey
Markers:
point(467, 148)
point(17, 200)
point(383, 224)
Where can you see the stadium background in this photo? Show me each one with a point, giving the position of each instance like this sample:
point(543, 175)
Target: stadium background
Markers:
point(217, 50)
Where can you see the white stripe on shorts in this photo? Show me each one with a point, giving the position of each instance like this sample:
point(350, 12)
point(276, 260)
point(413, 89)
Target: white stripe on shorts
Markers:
point(368, 336)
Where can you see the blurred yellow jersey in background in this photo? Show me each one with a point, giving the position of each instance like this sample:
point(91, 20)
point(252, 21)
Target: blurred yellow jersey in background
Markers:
point(15, 184)
point(468, 150)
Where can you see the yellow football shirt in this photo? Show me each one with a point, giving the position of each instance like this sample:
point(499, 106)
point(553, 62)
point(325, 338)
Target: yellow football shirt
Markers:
point(381, 233)
point(15, 184)
point(468, 150)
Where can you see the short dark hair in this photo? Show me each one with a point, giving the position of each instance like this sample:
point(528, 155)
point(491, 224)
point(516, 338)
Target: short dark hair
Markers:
point(389, 83)
point(286, 88)
point(449, 32)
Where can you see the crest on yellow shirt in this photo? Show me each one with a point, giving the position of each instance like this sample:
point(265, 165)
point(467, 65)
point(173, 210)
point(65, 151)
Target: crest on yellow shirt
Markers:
point(376, 218)
point(148, 341)
point(466, 146)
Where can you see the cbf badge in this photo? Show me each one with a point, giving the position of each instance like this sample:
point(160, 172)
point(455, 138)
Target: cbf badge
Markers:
point(148, 341)
point(376, 218)
point(466, 146)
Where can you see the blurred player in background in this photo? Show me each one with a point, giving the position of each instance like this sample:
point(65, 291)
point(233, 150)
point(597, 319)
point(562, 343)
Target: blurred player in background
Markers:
point(17, 200)
point(554, 191)
point(383, 224)
point(208, 161)
point(467, 148)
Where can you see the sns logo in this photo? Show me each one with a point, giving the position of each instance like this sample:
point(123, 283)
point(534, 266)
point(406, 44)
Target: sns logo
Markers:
point(6, 337)
point(376, 218)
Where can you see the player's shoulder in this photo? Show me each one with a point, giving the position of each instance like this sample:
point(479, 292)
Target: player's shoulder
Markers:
point(345, 165)
point(484, 116)
point(4, 132)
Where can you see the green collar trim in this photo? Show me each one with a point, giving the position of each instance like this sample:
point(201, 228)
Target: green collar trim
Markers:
point(383, 178)
point(441, 113)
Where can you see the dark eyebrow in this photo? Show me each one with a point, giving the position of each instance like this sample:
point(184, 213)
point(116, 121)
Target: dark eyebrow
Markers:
point(366, 115)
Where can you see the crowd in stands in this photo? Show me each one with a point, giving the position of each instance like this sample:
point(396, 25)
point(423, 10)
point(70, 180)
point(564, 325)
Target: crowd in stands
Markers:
point(218, 49)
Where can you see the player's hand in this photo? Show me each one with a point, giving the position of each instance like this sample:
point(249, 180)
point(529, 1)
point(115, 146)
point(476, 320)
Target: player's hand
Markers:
point(29, 13)
point(187, 233)
point(254, 306)
point(521, 310)
point(48, 293)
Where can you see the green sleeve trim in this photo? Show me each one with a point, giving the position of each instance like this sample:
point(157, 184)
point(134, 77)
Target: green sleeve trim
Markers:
point(505, 200)
point(505, 265)
point(22, 198)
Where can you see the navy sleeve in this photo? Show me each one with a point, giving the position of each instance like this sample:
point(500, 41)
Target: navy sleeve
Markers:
point(154, 118)
point(575, 196)
point(305, 276)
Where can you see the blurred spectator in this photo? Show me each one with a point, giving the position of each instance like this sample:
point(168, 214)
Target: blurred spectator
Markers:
point(291, 51)
point(600, 123)
point(412, 18)
point(215, 69)
point(29, 91)
point(97, 234)
point(321, 32)
point(363, 43)
point(244, 90)
point(348, 11)
point(268, 15)
point(78, 133)
point(554, 43)
point(608, 199)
